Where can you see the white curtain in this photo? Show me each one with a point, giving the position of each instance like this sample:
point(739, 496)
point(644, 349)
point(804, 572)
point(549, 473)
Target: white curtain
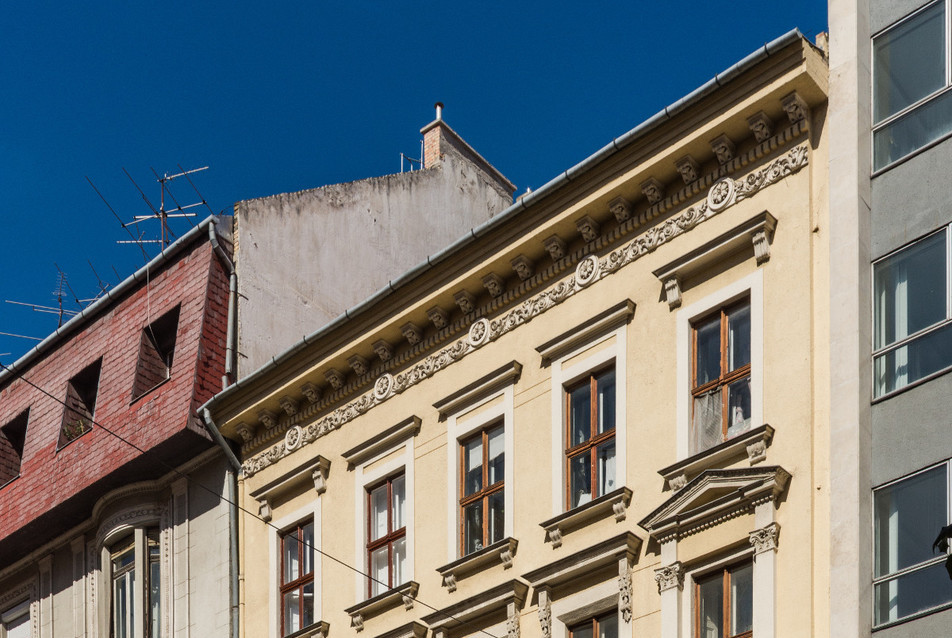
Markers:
point(707, 422)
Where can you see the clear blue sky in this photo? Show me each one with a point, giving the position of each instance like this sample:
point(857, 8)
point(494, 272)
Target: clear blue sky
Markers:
point(302, 94)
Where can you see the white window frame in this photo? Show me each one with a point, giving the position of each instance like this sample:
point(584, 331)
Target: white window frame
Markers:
point(364, 479)
point(313, 512)
point(885, 122)
point(886, 349)
point(751, 286)
point(564, 377)
point(938, 558)
point(458, 430)
point(139, 531)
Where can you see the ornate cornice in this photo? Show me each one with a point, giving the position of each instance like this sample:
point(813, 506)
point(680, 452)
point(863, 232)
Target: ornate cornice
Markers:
point(722, 194)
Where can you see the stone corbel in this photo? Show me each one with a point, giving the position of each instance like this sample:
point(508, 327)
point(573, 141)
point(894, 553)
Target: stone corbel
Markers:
point(522, 266)
point(723, 148)
point(268, 419)
point(311, 392)
point(757, 451)
point(761, 246)
point(588, 227)
point(670, 576)
point(383, 349)
point(545, 612)
point(672, 292)
point(319, 474)
point(688, 168)
point(358, 364)
point(494, 285)
point(653, 190)
point(795, 107)
point(466, 301)
point(624, 589)
point(621, 208)
point(264, 510)
point(555, 246)
point(437, 317)
point(765, 538)
point(245, 431)
point(412, 333)
point(289, 405)
point(335, 378)
point(678, 481)
point(761, 126)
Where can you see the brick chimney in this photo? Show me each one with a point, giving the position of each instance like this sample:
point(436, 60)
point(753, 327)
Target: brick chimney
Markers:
point(433, 134)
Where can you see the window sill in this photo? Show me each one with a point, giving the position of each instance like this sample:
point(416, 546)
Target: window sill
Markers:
point(158, 385)
point(499, 552)
point(315, 630)
point(615, 502)
point(753, 442)
point(405, 593)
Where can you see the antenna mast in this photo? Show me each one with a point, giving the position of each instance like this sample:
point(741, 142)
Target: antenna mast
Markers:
point(163, 214)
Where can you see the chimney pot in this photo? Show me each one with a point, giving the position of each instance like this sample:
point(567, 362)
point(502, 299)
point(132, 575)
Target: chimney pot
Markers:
point(439, 110)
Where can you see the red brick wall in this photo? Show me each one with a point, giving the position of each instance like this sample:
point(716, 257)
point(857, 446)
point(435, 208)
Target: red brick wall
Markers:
point(49, 477)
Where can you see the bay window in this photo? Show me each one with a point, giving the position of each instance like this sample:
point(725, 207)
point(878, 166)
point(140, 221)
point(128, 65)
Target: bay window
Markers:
point(912, 325)
point(590, 437)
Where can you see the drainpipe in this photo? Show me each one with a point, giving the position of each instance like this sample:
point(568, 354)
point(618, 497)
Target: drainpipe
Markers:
point(230, 336)
point(231, 493)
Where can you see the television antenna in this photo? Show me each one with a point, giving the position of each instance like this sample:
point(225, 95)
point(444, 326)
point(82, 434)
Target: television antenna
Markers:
point(164, 212)
point(58, 292)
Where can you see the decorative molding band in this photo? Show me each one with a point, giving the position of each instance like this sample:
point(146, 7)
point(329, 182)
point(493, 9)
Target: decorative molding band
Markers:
point(670, 576)
point(589, 270)
point(765, 538)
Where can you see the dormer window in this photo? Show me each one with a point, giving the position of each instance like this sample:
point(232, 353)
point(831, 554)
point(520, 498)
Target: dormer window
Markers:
point(80, 402)
point(12, 436)
point(156, 347)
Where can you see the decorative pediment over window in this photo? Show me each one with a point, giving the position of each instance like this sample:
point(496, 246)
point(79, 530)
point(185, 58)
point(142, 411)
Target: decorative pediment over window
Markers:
point(506, 599)
point(714, 496)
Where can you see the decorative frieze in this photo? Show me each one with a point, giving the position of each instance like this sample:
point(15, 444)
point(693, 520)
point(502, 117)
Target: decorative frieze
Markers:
point(466, 301)
point(522, 266)
point(335, 378)
point(383, 350)
point(438, 317)
point(588, 228)
point(289, 405)
point(795, 107)
point(358, 364)
point(555, 246)
point(494, 285)
point(649, 241)
point(621, 208)
point(765, 538)
point(653, 190)
point(412, 333)
point(688, 169)
point(670, 576)
point(723, 148)
point(311, 392)
point(761, 126)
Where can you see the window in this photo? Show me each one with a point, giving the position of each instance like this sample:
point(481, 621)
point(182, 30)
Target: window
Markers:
point(720, 376)
point(297, 578)
point(80, 404)
point(723, 603)
point(156, 347)
point(605, 626)
point(126, 603)
point(908, 578)
point(482, 495)
point(386, 534)
point(912, 105)
point(15, 622)
point(590, 438)
point(12, 436)
point(912, 337)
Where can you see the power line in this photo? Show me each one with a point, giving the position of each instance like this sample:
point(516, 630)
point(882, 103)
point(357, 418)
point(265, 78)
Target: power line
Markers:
point(222, 498)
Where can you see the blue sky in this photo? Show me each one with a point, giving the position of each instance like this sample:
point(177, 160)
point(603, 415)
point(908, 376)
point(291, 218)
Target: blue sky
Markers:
point(302, 94)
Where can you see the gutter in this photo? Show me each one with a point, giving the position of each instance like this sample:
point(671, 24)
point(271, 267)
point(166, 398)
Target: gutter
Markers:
point(550, 187)
point(232, 331)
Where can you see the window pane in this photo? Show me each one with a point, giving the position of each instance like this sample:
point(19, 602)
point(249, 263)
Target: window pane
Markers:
point(738, 337)
point(18, 627)
point(582, 631)
point(155, 605)
point(911, 593)
point(907, 517)
point(473, 466)
point(379, 561)
point(292, 611)
point(605, 464)
point(473, 527)
point(580, 415)
point(916, 360)
point(122, 610)
point(608, 626)
point(711, 597)
point(378, 512)
point(708, 334)
point(908, 62)
point(292, 569)
point(742, 599)
point(913, 130)
point(308, 591)
point(706, 423)
point(738, 407)
point(910, 289)
point(399, 503)
point(399, 561)
point(580, 479)
point(606, 400)
point(308, 533)
point(497, 518)
point(497, 455)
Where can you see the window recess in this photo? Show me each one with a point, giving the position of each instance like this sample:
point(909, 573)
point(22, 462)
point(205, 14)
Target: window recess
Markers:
point(12, 438)
point(81, 393)
point(156, 350)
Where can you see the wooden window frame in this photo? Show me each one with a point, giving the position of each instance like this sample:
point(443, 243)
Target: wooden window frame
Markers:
point(301, 581)
point(726, 378)
point(592, 622)
point(725, 573)
point(390, 537)
point(144, 539)
point(487, 491)
point(595, 440)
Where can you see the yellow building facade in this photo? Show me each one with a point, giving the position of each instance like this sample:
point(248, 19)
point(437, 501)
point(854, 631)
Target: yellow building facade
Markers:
point(602, 413)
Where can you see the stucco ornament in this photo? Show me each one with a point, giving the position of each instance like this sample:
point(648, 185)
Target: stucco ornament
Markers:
point(479, 332)
point(587, 270)
point(383, 387)
point(292, 439)
point(722, 194)
point(624, 595)
point(765, 539)
point(669, 576)
point(545, 618)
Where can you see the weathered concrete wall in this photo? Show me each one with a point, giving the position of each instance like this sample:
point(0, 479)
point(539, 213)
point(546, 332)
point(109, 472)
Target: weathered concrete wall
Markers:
point(304, 258)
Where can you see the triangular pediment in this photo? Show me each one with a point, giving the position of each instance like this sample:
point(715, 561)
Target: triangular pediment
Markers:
point(713, 496)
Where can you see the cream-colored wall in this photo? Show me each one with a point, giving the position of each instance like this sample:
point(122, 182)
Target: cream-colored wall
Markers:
point(795, 306)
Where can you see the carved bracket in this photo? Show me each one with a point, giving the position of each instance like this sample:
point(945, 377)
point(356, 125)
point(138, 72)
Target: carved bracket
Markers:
point(588, 228)
point(412, 333)
point(437, 317)
point(672, 292)
point(555, 246)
